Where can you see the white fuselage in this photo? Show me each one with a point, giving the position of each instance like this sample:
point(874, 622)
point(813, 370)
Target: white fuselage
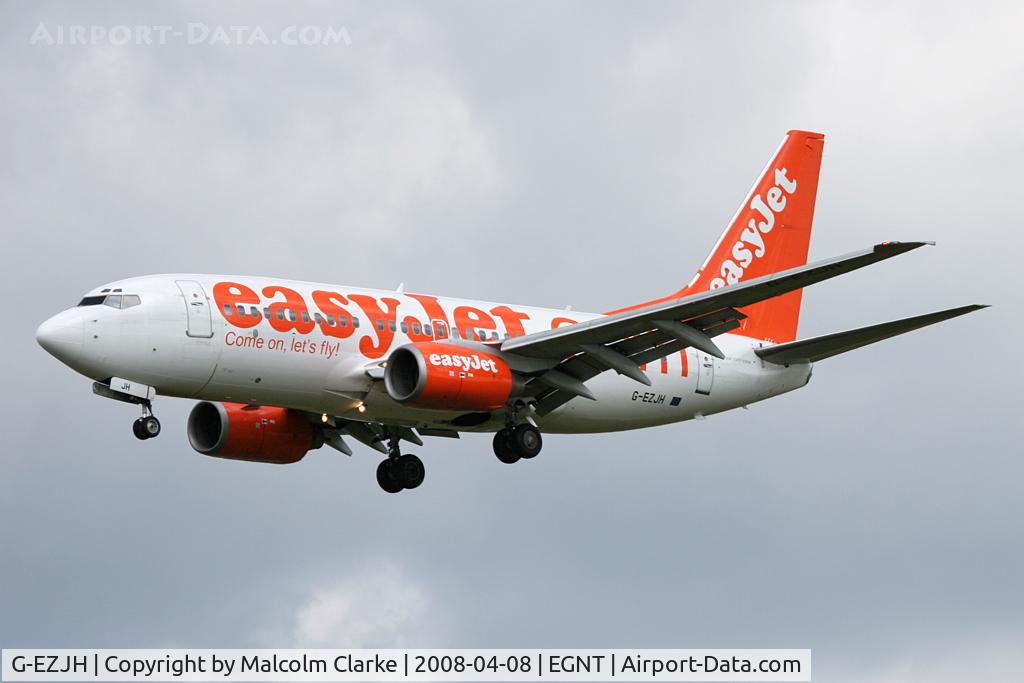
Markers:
point(194, 336)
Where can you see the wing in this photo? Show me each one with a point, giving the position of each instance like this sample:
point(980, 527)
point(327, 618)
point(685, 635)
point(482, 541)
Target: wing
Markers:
point(568, 356)
point(819, 348)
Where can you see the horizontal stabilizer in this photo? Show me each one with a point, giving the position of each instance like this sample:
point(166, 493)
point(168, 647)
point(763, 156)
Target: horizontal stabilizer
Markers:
point(818, 348)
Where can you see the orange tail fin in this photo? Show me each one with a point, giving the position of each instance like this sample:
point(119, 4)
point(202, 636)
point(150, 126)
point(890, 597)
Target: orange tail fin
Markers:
point(770, 232)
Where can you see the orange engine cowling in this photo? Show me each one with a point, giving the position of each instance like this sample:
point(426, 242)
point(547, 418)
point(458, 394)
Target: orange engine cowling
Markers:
point(254, 433)
point(443, 376)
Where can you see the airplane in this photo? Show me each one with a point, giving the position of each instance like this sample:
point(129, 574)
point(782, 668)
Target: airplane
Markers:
point(282, 367)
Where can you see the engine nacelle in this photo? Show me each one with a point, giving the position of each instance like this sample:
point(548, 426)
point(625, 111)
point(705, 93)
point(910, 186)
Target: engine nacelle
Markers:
point(443, 376)
point(254, 433)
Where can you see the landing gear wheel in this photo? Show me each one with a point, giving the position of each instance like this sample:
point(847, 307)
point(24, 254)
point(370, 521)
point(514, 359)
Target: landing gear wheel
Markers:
point(146, 427)
point(526, 441)
point(387, 476)
point(410, 471)
point(151, 426)
point(503, 447)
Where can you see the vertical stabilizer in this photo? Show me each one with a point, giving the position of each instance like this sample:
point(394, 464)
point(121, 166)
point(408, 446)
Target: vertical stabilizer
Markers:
point(770, 232)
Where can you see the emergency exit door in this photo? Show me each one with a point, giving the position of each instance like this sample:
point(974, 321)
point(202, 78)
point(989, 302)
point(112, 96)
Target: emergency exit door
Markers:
point(705, 373)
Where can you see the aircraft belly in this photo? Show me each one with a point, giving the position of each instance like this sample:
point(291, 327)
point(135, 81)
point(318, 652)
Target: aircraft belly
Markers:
point(624, 404)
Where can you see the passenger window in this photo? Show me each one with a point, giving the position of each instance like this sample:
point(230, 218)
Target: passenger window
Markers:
point(280, 314)
point(380, 324)
point(227, 309)
point(355, 322)
point(253, 312)
point(427, 331)
point(266, 313)
point(317, 318)
point(441, 332)
point(342, 321)
point(305, 317)
point(415, 328)
point(391, 325)
point(405, 327)
point(291, 315)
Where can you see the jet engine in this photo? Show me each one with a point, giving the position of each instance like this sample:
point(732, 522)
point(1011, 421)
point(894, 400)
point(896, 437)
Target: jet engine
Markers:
point(441, 376)
point(254, 433)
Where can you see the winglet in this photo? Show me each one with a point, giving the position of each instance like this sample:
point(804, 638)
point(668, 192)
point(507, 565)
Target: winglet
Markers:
point(903, 246)
point(907, 246)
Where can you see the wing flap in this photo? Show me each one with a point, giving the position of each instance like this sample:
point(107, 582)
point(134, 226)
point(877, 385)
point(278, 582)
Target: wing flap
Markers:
point(819, 348)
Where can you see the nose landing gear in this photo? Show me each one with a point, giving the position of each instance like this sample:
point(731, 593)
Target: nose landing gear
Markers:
point(147, 426)
point(118, 389)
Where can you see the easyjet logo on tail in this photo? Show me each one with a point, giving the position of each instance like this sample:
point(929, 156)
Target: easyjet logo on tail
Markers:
point(751, 244)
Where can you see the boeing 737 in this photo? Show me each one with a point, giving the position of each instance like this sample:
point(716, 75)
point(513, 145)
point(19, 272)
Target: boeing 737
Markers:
point(282, 367)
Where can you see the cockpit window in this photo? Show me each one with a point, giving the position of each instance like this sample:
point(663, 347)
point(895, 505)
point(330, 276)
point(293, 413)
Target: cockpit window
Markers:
point(112, 300)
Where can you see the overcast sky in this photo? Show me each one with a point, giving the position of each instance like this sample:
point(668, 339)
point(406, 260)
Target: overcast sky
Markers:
point(549, 154)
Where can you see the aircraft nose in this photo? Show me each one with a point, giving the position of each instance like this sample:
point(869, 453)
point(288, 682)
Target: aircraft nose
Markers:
point(62, 335)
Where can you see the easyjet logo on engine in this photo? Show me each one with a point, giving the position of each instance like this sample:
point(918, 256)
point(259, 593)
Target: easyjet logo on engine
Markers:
point(751, 244)
point(465, 363)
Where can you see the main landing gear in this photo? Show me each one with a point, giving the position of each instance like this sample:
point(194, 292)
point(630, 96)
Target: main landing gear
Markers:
point(516, 442)
point(147, 426)
point(523, 441)
point(399, 471)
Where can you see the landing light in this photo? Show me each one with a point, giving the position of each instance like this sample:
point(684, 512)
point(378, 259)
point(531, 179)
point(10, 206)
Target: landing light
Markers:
point(323, 418)
point(361, 408)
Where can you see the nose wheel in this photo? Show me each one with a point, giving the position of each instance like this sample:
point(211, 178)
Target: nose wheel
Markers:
point(147, 426)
